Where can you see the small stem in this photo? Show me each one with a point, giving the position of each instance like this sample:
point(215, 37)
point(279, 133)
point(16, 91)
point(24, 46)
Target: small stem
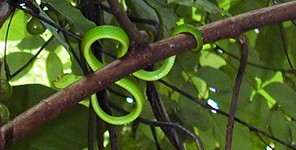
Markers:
point(238, 81)
point(223, 113)
point(285, 48)
point(135, 35)
point(31, 59)
point(46, 21)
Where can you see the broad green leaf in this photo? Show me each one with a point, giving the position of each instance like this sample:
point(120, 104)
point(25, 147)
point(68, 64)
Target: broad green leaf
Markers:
point(201, 4)
point(22, 58)
point(190, 113)
point(80, 22)
point(68, 131)
point(147, 132)
point(205, 135)
point(242, 6)
point(17, 29)
point(279, 127)
point(241, 138)
point(259, 112)
point(211, 59)
point(25, 96)
point(188, 61)
point(215, 78)
point(166, 13)
point(140, 9)
point(270, 49)
point(31, 43)
point(54, 67)
point(219, 130)
point(284, 95)
point(290, 31)
point(292, 126)
point(201, 86)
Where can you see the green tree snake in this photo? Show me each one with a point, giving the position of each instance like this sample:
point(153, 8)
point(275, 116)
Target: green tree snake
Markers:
point(117, 34)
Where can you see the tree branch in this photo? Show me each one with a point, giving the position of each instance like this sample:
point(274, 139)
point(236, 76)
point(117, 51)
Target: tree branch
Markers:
point(61, 101)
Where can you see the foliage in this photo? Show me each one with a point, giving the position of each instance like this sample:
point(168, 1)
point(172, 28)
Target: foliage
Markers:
point(266, 100)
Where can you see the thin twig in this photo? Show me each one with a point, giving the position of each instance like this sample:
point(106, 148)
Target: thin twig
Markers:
point(135, 35)
point(53, 24)
point(235, 95)
point(285, 48)
point(52, 106)
point(158, 147)
point(263, 140)
point(165, 125)
point(6, 67)
point(218, 48)
point(175, 126)
point(161, 114)
point(205, 105)
point(29, 62)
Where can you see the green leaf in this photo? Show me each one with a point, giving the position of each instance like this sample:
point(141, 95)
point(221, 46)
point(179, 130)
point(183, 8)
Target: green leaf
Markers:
point(201, 4)
point(284, 95)
point(25, 96)
point(215, 78)
point(30, 43)
point(140, 8)
point(241, 138)
point(68, 131)
point(166, 13)
point(270, 49)
point(259, 112)
point(219, 131)
point(292, 130)
point(188, 61)
point(22, 58)
point(54, 67)
point(211, 59)
point(80, 22)
point(242, 6)
point(279, 127)
point(190, 113)
point(17, 29)
point(205, 135)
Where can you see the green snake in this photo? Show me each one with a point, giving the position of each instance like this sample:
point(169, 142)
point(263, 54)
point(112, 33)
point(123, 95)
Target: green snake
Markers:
point(117, 34)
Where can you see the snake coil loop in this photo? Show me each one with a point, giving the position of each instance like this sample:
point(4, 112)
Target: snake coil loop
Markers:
point(117, 34)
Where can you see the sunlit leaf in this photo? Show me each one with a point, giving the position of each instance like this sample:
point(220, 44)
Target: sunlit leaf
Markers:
point(17, 29)
point(22, 58)
point(211, 59)
point(54, 67)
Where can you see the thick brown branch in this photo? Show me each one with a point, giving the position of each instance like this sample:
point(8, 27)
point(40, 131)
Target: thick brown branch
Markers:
point(5, 11)
point(54, 105)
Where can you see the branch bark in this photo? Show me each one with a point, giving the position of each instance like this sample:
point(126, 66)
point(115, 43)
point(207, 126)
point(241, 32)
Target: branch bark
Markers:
point(59, 102)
